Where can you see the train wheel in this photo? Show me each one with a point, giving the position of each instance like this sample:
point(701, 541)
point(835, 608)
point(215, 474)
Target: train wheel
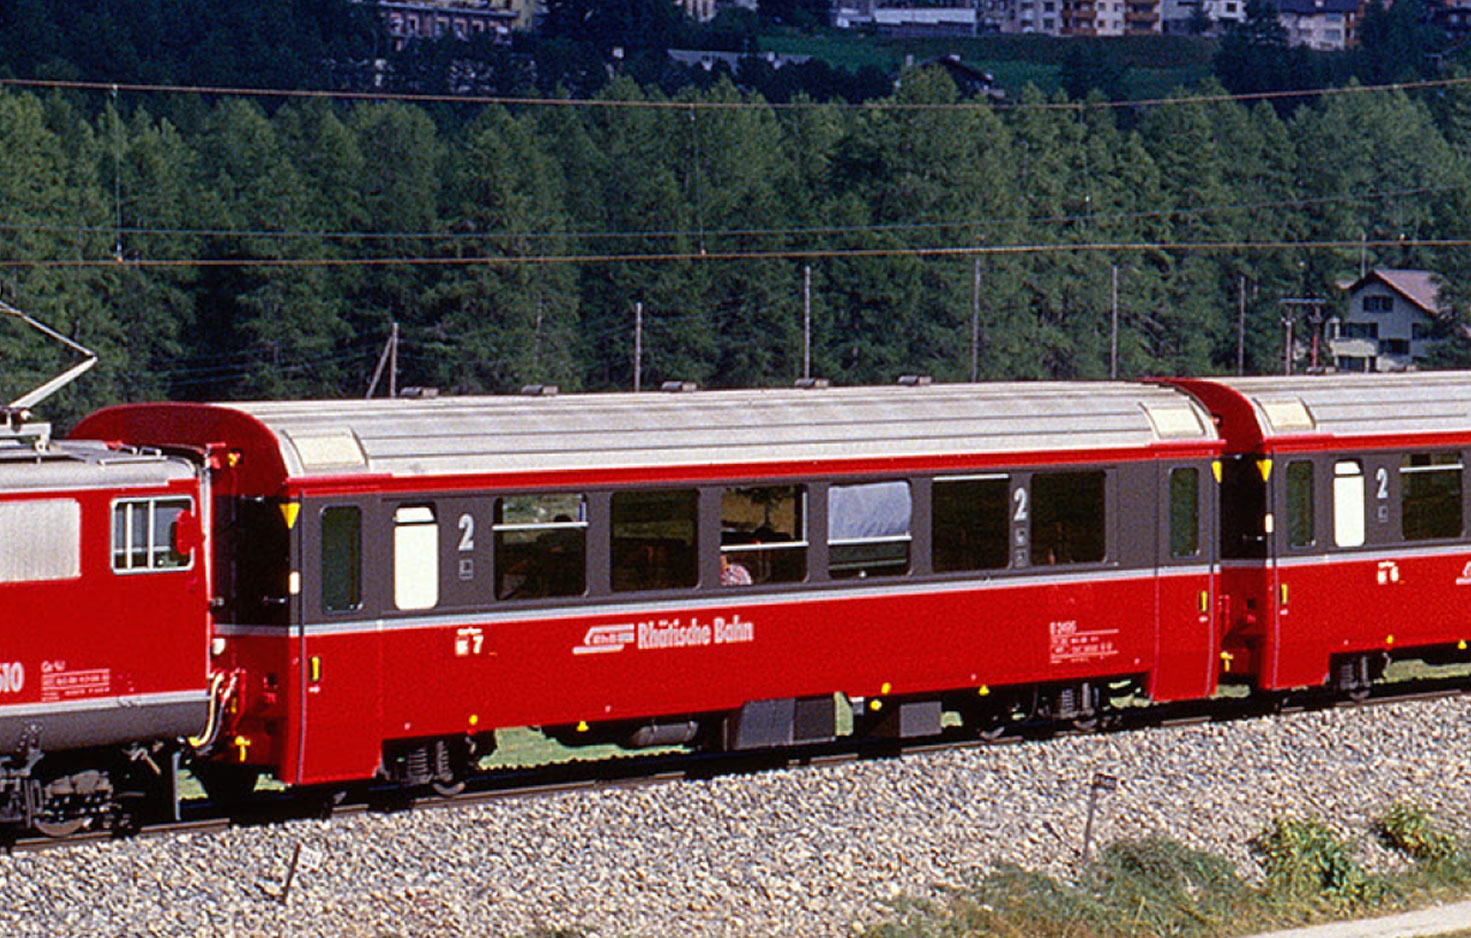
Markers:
point(60, 830)
point(447, 789)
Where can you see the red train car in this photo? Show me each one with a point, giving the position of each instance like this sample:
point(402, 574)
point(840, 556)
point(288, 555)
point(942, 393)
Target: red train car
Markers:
point(396, 580)
point(105, 616)
point(1343, 528)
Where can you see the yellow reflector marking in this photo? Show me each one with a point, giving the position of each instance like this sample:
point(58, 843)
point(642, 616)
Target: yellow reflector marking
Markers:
point(289, 511)
point(1216, 470)
point(885, 688)
point(1264, 466)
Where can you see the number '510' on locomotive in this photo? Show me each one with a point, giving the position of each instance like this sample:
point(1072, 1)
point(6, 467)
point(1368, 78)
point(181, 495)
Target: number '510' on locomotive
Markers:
point(352, 592)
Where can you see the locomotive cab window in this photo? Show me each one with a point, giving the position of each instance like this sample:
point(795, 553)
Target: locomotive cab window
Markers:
point(868, 529)
point(654, 540)
point(342, 558)
point(415, 557)
point(763, 535)
point(1069, 517)
point(1348, 503)
point(970, 522)
point(146, 534)
point(1430, 484)
point(540, 546)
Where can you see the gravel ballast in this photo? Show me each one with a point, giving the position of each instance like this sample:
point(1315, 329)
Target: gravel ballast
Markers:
point(803, 852)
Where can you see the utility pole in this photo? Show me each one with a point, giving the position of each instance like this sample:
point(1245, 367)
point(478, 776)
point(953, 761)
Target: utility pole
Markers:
point(390, 355)
point(393, 362)
point(638, 343)
point(1113, 343)
point(806, 322)
point(1241, 325)
point(975, 322)
point(1315, 306)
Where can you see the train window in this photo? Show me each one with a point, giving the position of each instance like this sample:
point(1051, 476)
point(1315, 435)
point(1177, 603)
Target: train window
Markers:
point(654, 540)
point(1348, 503)
point(1300, 504)
point(540, 546)
point(342, 558)
point(1430, 485)
point(971, 521)
point(1184, 511)
point(40, 540)
point(1069, 520)
point(763, 535)
point(868, 529)
point(415, 557)
point(145, 534)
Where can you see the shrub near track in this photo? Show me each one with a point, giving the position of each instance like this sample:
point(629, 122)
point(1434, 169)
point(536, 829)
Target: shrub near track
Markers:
point(1159, 888)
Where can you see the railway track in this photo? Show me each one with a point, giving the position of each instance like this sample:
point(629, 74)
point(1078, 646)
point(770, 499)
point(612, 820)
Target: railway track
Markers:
point(199, 815)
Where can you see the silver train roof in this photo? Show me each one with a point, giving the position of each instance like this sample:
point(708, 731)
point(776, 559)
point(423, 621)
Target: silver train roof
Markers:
point(448, 435)
point(1359, 404)
point(83, 465)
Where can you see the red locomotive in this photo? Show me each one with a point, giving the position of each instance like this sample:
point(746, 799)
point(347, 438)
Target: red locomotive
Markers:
point(338, 592)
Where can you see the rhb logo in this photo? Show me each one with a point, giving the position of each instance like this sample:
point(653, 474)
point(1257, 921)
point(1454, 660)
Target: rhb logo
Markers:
point(603, 639)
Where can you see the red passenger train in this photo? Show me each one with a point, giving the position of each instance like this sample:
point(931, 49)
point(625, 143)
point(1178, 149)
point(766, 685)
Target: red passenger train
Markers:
point(333, 593)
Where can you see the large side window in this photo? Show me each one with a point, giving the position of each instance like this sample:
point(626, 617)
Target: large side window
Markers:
point(1348, 503)
point(1430, 484)
point(342, 558)
point(763, 535)
point(1069, 517)
point(415, 557)
point(971, 520)
point(1184, 512)
point(40, 540)
point(868, 529)
point(145, 534)
point(540, 546)
point(654, 544)
point(1300, 504)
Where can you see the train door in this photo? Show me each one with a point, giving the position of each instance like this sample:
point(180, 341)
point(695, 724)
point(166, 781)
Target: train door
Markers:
point(1301, 530)
point(1243, 607)
point(340, 661)
point(1186, 569)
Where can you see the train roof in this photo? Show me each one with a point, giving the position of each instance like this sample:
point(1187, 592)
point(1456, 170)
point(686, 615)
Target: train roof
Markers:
point(517, 434)
point(1400, 405)
point(83, 465)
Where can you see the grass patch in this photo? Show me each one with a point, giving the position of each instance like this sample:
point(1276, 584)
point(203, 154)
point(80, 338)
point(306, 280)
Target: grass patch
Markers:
point(1155, 66)
point(1159, 888)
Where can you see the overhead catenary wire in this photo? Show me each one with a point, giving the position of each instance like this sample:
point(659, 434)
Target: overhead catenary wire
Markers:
point(794, 231)
point(512, 261)
point(886, 104)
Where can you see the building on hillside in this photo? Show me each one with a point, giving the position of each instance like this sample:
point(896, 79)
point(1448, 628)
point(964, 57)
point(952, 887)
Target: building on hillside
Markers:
point(1452, 16)
point(1389, 323)
point(458, 19)
point(1183, 17)
point(709, 59)
point(1074, 17)
point(1321, 25)
point(908, 22)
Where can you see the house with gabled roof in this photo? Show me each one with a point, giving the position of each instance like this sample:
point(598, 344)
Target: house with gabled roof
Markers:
point(1389, 322)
